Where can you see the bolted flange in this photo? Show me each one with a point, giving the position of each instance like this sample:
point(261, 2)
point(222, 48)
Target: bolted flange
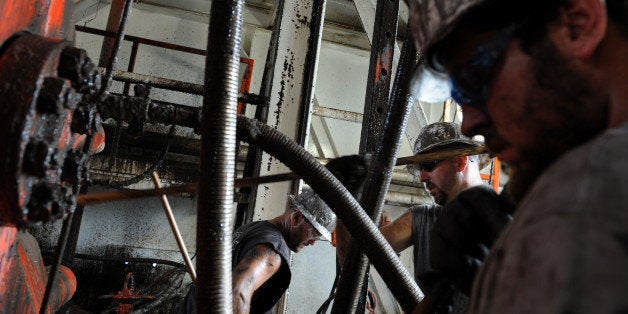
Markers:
point(40, 117)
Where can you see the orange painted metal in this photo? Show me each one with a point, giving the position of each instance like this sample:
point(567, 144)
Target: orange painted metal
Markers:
point(493, 177)
point(495, 174)
point(8, 252)
point(126, 296)
point(25, 273)
point(53, 26)
point(246, 82)
point(42, 17)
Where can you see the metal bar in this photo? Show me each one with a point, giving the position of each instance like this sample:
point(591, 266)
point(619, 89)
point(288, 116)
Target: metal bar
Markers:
point(447, 110)
point(175, 228)
point(353, 282)
point(141, 40)
point(106, 197)
point(338, 114)
point(131, 66)
point(310, 67)
point(245, 87)
point(54, 268)
point(379, 75)
point(113, 21)
point(317, 143)
point(113, 59)
point(158, 82)
point(495, 174)
point(75, 228)
point(329, 137)
point(151, 42)
point(95, 198)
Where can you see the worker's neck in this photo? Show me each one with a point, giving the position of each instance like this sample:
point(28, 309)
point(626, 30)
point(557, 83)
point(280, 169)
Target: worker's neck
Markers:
point(614, 54)
point(281, 222)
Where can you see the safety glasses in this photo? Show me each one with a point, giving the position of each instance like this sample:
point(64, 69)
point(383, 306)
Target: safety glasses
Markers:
point(471, 82)
point(428, 165)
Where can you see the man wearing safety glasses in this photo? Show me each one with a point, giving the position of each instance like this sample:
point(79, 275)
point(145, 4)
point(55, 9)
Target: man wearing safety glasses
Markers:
point(444, 179)
point(545, 83)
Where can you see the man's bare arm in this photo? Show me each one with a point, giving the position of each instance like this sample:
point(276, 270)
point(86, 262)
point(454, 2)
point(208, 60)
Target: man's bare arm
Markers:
point(259, 264)
point(399, 232)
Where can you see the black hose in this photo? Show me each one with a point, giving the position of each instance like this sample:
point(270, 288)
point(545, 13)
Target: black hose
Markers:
point(341, 202)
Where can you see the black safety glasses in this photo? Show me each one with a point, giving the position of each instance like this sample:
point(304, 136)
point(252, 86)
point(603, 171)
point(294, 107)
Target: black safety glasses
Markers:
point(428, 165)
point(471, 83)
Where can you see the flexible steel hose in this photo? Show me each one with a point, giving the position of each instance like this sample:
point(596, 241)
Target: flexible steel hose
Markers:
point(341, 202)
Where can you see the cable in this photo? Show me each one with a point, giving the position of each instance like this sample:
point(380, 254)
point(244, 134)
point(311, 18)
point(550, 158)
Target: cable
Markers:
point(130, 259)
point(144, 175)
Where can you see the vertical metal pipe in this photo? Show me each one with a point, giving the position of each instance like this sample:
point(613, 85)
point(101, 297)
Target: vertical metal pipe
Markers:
point(376, 103)
point(54, 268)
point(75, 228)
point(113, 21)
point(252, 166)
point(113, 59)
point(310, 67)
point(376, 187)
point(218, 142)
point(131, 67)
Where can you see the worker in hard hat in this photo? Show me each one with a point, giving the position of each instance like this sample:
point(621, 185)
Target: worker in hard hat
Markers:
point(261, 253)
point(444, 179)
point(544, 81)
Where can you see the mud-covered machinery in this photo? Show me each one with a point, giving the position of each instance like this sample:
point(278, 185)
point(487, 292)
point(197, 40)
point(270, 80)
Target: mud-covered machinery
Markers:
point(48, 116)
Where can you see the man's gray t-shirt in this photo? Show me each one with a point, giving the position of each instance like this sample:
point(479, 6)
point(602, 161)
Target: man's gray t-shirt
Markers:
point(423, 218)
point(566, 250)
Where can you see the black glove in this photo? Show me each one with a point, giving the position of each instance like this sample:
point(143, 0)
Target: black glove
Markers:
point(350, 170)
point(465, 231)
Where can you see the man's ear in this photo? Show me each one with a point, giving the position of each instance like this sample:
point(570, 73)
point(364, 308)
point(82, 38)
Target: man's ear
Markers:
point(585, 23)
point(296, 217)
point(461, 163)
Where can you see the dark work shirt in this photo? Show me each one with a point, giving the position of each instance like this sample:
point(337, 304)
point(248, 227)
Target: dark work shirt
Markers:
point(246, 238)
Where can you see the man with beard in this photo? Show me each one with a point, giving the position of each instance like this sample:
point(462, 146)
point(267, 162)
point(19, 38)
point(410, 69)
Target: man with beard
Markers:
point(260, 264)
point(544, 81)
point(444, 179)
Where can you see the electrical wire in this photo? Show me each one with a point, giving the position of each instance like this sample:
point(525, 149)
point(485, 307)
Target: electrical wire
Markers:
point(130, 260)
point(144, 175)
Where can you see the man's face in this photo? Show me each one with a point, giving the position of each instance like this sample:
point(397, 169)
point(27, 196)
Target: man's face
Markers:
point(302, 233)
point(537, 105)
point(440, 180)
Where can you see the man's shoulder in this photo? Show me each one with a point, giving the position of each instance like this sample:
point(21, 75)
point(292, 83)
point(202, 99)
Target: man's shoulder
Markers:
point(428, 210)
point(262, 226)
point(261, 232)
point(590, 175)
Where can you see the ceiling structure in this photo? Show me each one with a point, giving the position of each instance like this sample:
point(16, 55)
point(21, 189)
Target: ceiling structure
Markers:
point(345, 21)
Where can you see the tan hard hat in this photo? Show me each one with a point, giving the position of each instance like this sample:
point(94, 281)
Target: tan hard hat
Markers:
point(439, 136)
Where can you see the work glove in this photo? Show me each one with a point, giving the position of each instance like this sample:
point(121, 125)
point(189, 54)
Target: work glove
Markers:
point(465, 231)
point(350, 170)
